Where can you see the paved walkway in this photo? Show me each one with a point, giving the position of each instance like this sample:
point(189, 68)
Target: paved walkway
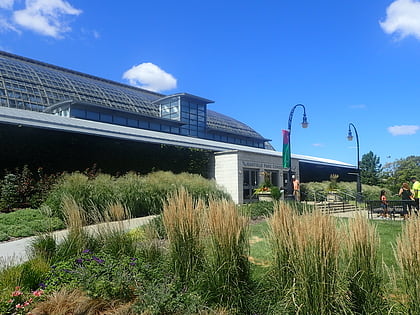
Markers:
point(16, 252)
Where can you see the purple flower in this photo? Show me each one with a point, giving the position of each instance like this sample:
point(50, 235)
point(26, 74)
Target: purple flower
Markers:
point(79, 261)
point(132, 264)
point(98, 260)
point(86, 251)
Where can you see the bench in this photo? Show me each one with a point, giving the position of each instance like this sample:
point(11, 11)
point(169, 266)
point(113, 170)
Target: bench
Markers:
point(395, 207)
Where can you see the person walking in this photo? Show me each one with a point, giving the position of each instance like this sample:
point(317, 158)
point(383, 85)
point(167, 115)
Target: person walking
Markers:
point(407, 199)
point(416, 191)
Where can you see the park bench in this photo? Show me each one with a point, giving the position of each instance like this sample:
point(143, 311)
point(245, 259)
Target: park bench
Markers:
point(395, 208)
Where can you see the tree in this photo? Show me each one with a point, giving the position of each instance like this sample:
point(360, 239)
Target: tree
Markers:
point(370, 169)
point(400, 171)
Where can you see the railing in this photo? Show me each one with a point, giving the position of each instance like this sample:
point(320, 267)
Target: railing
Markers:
point(394, 208)
point(346, 196)
point(318, 196)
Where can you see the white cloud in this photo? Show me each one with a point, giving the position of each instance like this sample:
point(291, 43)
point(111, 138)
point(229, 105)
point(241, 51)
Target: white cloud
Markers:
point(150, 77)
point(5, 25)
point(6, 4)
point(403, 18)
point(46, 17)
point(403, 130)
point(318, 145)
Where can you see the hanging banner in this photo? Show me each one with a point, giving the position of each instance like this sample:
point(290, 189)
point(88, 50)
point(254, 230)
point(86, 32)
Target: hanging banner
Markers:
point(286, 149)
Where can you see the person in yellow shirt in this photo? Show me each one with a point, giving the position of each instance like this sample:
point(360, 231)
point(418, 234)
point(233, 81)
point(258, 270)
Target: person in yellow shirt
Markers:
point(416, 191)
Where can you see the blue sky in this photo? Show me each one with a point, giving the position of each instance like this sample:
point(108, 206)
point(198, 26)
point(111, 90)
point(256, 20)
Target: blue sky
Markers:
point(347, 62)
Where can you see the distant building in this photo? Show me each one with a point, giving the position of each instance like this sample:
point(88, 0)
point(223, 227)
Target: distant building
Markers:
point(66, 120)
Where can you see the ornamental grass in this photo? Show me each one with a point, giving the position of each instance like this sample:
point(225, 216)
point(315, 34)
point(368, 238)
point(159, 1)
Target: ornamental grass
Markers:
point(227, 275)
point(182, 218)
point(307, 263)
point(365, 280)
point(408, 257)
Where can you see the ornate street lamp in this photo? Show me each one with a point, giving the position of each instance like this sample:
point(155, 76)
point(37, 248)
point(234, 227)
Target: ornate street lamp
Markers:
point(287, 157)
point(359, 184)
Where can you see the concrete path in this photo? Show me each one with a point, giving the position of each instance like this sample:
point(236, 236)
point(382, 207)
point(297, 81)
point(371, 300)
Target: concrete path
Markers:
point(16, 252)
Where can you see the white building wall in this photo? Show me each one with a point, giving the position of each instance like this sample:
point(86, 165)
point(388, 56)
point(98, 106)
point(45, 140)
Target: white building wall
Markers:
point(227, 168)
point(226, 173)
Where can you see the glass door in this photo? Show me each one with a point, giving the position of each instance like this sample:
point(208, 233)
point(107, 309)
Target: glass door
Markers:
point(250, 182)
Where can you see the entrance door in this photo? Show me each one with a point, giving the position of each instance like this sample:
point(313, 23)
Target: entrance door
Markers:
point(251, 182)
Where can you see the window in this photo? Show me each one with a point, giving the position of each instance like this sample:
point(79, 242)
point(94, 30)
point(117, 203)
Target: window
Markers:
point(132, 122)
point(120, 120)
point(106, 118)
point(92, 115)
point(78, 113)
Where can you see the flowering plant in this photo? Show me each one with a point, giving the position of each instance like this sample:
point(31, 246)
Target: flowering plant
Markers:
point(19, 302)
point(262, 189)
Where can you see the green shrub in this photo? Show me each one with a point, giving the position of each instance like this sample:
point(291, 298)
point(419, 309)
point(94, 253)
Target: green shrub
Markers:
point(9, 196)
point(256, 210)
point(100, 275)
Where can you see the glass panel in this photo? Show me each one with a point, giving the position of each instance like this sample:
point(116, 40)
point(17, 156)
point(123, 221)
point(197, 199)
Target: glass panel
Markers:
point(92, 115)
point(79, 113)
point(155, 126)
point(132, 122)
point(106, 118)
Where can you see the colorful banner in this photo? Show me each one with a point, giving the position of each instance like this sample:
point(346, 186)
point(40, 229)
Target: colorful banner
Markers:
point(286, 149)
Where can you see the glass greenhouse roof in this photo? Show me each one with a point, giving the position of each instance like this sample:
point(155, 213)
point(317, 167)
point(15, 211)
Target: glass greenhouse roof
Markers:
point(33, 85)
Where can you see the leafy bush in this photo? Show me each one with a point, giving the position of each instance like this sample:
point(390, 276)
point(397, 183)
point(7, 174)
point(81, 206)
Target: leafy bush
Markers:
point(100, 275)
point(9, 197)
point(258, 209)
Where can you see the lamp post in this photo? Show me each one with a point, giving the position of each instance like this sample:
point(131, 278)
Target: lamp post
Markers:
point(359, 184)
point(287, 157)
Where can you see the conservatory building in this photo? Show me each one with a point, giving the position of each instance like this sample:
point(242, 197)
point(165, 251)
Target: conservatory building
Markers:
point(64, 120)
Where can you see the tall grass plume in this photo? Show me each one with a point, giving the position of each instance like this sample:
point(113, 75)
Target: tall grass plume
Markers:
point(307, 256)
point(365, 282)
point(182, 218)
point(228, 269)
point(408, 257)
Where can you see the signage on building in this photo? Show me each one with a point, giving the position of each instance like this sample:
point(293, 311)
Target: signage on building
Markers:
point(261, 165)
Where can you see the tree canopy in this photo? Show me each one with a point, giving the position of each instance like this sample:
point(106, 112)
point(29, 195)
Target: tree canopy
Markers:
point(400, 171)
point(370, 168)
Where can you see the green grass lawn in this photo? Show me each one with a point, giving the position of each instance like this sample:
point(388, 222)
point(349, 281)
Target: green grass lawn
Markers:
point(26, 222)
point(388, 232)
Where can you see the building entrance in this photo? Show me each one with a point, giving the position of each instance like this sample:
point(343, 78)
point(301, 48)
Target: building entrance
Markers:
point(251, 182)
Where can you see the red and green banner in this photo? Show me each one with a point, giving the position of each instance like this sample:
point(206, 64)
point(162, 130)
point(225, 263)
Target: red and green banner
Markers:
point(286, 149)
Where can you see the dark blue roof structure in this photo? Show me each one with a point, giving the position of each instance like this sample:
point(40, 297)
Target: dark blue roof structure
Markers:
point(36, 86)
